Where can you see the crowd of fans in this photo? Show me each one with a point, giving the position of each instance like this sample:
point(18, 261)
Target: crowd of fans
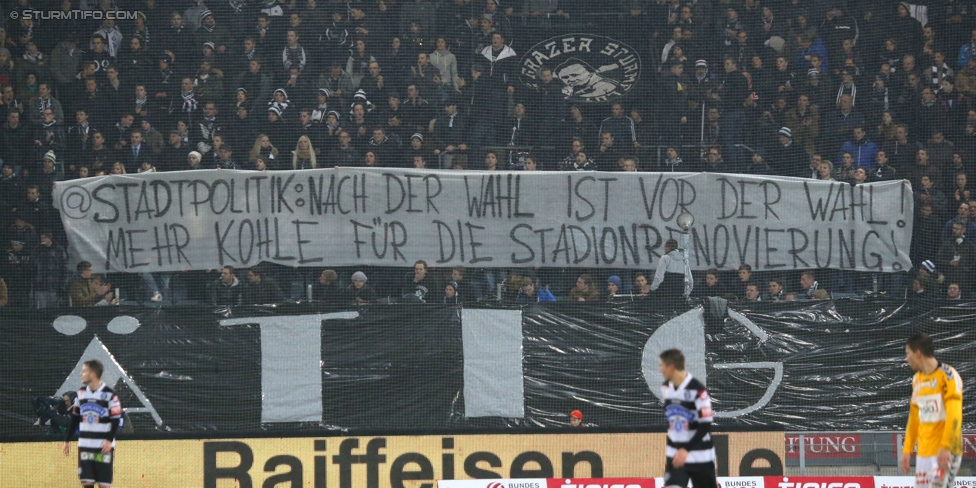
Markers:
point(850, 91)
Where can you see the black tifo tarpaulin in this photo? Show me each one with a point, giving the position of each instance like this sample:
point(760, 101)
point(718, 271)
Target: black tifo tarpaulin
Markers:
point(796, 366)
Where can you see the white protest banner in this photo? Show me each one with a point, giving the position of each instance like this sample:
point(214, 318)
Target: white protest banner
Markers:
point(333, 217)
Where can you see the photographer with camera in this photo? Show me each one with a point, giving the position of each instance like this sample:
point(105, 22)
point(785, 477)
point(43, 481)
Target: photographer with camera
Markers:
point(53, 411)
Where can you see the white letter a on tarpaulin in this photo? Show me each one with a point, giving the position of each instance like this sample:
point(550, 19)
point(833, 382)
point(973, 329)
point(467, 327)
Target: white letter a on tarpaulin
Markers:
point(111, 376)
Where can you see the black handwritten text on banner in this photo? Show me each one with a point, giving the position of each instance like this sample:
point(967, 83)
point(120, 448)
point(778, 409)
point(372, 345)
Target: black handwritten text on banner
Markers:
point(206, 219)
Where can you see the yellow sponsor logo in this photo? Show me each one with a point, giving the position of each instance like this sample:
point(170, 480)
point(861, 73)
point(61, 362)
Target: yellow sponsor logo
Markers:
point(386, 462)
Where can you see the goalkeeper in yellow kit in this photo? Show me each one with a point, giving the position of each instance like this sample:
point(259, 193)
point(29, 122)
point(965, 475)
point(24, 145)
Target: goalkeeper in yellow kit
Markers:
point(934, 418)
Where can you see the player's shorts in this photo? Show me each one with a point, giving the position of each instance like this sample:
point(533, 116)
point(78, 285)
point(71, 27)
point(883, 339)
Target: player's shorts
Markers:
point(95, 467)
point(702, 475)
point(928, 474)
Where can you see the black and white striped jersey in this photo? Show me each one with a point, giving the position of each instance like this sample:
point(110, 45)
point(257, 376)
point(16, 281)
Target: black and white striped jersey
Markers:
point(689, 411)
point(97, 410)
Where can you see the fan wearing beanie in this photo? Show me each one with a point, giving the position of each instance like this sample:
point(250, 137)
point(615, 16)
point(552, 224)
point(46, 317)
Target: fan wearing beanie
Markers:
point(614, 286)
point(358, 292)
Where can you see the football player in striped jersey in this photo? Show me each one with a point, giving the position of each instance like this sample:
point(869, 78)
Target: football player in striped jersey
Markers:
point(690, 453)
point(96, 414)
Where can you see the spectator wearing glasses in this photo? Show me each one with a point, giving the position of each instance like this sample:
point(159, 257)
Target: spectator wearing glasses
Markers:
point(45, 100)
point(345, 154)
point(49, 135)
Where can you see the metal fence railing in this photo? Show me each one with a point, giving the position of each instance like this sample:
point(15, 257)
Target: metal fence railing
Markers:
point(862, 453)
